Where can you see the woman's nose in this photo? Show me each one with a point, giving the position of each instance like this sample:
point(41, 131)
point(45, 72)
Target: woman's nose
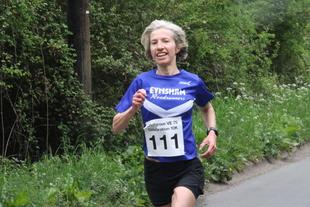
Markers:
point(160, 46)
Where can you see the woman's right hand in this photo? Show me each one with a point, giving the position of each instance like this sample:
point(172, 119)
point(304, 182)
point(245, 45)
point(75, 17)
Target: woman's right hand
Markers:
point(121, 120)
point(138, 99)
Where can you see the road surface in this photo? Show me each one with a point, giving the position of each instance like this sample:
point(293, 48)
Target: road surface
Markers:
point(282, 183)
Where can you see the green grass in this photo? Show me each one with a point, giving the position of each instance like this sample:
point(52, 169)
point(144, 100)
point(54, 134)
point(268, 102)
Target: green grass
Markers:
point(251, 127)
point(91, 179)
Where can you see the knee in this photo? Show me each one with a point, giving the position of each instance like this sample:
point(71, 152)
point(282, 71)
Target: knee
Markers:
point(183, 197)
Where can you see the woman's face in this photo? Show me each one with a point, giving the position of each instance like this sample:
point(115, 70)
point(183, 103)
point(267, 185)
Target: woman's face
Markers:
point(163, 47)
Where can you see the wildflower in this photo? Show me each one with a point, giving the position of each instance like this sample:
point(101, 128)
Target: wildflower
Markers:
point(238, 97)
point(228, 89)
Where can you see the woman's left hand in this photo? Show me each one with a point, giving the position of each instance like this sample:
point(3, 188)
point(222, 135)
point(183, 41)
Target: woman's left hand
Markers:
point(209, 141)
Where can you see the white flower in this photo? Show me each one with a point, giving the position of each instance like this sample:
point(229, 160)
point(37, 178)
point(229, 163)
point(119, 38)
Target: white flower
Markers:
point(238, 97)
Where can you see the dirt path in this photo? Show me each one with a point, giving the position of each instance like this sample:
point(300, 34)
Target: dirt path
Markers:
point(259, 168)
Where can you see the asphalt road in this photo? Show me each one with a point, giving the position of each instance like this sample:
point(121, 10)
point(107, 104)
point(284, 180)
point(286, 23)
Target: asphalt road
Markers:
point(286, 186)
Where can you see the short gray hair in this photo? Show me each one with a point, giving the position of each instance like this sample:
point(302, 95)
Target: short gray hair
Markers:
point(178, 35)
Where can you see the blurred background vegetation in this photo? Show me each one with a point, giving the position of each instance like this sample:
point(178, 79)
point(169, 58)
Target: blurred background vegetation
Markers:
point(42, 105)
point(254, 55)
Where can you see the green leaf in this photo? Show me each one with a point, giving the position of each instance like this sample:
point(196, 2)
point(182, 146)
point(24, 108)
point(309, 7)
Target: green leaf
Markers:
point(83, 196)
point(20, 200)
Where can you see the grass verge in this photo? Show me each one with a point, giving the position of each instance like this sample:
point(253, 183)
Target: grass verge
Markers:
point(251, 127)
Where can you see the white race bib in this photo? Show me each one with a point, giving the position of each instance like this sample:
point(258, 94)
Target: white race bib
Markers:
point(164, 137)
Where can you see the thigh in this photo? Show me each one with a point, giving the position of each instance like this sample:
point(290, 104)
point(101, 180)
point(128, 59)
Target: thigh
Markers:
point(183, 197)
point(159, 190)
point(161, 179)
point(194, 178)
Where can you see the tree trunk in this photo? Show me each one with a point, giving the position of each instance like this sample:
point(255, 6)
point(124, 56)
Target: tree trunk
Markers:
point(78, 22)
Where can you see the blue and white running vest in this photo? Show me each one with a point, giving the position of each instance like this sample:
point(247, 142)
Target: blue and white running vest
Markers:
point(167, 113)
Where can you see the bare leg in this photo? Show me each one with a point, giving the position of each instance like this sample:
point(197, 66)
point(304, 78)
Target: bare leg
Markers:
point(183, 197)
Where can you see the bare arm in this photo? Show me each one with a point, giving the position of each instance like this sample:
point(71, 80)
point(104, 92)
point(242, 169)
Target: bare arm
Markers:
point(121, 120)
point(209, 120)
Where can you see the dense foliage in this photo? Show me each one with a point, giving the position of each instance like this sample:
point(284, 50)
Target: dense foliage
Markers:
point(244, 49)
point(252, 127)
point(42, 106)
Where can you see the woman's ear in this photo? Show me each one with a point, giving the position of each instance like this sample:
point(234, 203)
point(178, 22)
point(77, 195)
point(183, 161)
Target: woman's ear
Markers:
point(177, 50)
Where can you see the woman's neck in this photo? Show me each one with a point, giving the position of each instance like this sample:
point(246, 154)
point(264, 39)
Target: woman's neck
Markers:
point(172, 70)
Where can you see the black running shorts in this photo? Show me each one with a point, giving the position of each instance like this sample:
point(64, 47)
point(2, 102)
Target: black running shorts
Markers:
point(161, 178)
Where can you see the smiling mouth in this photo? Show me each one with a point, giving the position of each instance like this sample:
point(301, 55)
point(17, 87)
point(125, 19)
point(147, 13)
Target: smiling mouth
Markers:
point(161, 54)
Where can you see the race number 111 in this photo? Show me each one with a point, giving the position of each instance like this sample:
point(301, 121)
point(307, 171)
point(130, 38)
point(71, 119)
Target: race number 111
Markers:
point(164, 137)
point(164, 140)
